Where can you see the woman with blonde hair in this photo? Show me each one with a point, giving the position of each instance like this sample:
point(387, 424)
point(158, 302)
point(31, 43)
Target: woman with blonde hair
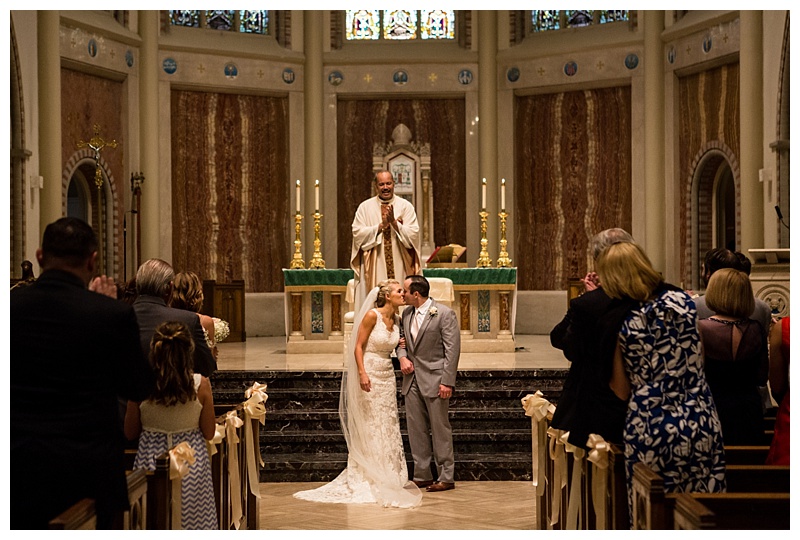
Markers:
point(671, 424)
point(736, 356)
point(376, 464)
point(187, 294)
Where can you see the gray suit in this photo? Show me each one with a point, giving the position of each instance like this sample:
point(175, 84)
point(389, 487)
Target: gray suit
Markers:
point(151, 311)
point(434, 353)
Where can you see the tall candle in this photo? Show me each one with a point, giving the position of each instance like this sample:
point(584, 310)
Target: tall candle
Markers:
point(298, 195)
point(503, 195)
point(483, 194)
point(316, 194)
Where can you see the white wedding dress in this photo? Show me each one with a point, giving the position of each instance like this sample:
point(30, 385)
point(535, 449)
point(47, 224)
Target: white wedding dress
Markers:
point(376, 465)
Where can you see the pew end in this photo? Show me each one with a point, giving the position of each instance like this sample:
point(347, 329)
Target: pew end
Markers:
point(81, 516)
point(731, 511)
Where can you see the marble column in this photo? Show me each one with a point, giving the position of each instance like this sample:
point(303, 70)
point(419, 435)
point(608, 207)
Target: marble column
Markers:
point(751, 129)
point(148, 135)
point(50, 159)
point(654, 173)
point(487, 121)
point(314, 132)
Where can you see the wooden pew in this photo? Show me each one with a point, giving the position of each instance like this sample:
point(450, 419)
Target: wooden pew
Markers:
point(80, 516)
point(764, 511)
point(159, 495)
point(135, 518)
point(654, 509)
point(746, 455)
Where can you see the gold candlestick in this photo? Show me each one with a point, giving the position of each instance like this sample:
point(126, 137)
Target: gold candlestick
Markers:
point(317, 260)
point(503, 261)
point(483, 260)
point(297, 259)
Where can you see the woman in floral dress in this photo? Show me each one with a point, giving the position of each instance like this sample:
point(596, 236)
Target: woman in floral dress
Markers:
point(672, 424)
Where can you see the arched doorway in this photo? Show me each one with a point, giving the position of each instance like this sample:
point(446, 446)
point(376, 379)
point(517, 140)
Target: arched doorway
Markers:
point(95, 206)
point(724, 218)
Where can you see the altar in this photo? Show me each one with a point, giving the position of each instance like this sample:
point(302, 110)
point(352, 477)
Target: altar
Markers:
point(318, 307)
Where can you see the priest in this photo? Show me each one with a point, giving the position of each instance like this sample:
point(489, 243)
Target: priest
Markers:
point(385, 239)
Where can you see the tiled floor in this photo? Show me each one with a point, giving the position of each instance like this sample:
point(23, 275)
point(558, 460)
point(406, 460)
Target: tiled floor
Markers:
point(269, 353)
point(471, 506)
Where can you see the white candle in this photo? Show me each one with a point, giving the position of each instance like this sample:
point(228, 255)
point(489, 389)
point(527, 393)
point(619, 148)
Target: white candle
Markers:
point(298, 195)
point(503, 195)
point(316, 194)
point(483, 194)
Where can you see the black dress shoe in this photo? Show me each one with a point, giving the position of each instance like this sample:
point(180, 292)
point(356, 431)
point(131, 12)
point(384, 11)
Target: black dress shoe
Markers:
point(422, 483)
point(441, 486)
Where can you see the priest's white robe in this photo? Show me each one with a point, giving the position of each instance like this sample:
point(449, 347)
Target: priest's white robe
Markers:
point(367, 254)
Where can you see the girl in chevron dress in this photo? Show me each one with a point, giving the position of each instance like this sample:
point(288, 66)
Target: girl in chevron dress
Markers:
point(181, 409)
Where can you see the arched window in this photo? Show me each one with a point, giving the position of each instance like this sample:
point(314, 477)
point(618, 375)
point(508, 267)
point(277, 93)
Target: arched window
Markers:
point(399, 24)
point(554, 19)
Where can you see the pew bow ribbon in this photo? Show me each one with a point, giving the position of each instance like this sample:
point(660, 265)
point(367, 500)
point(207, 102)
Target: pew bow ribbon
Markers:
point(254, 409)
point(559, 456)
point(598, 456)
point(539, 409)
point(575, 492)
point(181, 457)
point(219, 436)
point(232, 423)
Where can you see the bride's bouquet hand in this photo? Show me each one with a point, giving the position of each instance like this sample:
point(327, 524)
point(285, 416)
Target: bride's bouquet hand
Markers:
point(366, 385)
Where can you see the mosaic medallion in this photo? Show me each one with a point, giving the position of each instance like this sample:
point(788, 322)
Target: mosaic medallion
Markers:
point(512, 74)
point(169, 65)
point(707, 43)
point(400, 77)
point(92, 47)
point(631, 61)
point(231, 70)
point(671, 55)
point(288, 75)
point(570, 68)
point(129, 58)
point(335, 78)
point(465, 76)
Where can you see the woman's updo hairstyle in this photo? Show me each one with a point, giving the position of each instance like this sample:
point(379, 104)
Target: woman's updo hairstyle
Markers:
point(384, 289)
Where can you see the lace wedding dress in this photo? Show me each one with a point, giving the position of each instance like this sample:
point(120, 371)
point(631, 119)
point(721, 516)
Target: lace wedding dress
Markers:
point(376, 465)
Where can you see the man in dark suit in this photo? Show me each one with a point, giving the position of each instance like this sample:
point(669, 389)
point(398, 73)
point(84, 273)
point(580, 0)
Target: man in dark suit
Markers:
point(154, 285)
point(73, 352)
point(588, 337)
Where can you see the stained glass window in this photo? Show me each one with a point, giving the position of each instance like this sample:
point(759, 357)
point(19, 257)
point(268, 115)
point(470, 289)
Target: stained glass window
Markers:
point(553, 19)
point(219, 19)
point(364, 24)
point(437, 24)
point(244, 21)
point(184, 17)
point(545, 19)
point(400, 24)
point(253, 22)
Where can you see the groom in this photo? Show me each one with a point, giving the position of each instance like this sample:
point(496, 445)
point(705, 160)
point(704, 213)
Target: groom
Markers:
point(429, 362)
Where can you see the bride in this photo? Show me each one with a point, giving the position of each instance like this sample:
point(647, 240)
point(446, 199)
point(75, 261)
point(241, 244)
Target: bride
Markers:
point(376, 465)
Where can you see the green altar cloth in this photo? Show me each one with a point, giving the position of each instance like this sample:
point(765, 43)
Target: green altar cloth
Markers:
point(474, 276)
point(317, 277)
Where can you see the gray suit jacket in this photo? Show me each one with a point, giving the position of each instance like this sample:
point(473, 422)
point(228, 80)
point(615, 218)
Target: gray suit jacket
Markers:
point(435, 352)
point(151, 311)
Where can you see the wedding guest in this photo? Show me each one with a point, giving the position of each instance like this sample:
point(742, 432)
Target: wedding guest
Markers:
point(73, 352)
point(385, 238)
point(127, 293)
point(672, 424)
point(187, 294)
point(736, 358)
point(154, 281)
point(588, 337)
point(180, 409)
point(779, 383)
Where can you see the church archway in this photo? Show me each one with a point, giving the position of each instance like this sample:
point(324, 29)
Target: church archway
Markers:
point(19, 158)
point(715, 206)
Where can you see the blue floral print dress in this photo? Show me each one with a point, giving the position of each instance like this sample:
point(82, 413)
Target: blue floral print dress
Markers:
point(672, 424)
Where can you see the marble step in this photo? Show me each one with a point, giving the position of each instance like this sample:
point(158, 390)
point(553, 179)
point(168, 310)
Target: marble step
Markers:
point(332, 442)
point(324, 468)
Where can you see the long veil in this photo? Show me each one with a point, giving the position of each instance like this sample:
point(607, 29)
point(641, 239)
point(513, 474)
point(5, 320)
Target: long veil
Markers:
point(375, 468)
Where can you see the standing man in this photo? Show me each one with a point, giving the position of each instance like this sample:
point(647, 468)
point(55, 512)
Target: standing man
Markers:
point(73, 353)
point(385, 239)
point(429, 362)
point(154, 285)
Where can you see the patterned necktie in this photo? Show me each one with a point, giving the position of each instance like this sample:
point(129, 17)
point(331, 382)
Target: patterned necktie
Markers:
point(387, 252)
